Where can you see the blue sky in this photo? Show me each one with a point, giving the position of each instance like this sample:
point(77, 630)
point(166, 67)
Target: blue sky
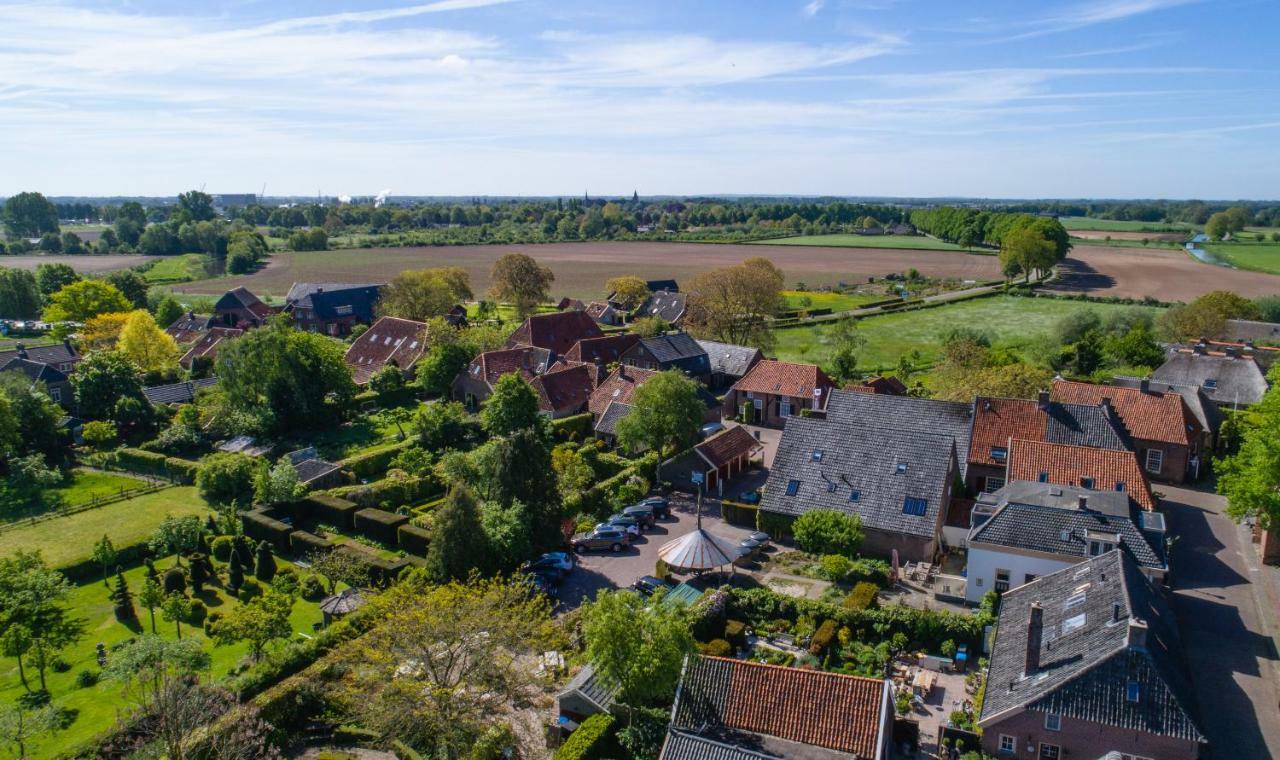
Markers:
point(998, 98)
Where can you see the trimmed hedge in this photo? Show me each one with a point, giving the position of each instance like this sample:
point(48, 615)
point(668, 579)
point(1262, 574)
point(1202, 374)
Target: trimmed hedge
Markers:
point(737, 513)
point(326, 508)
point(823, 637)
point(774, 524)
point(375, 463)
point(591, 741)
point(413, 539)
point(379, 524)
point(151, 463)
point(575, 427)
point(302, 543)
point(383, 572)
point(862, 597)
point(90, 569)
point(389, 492)
point(260, 525)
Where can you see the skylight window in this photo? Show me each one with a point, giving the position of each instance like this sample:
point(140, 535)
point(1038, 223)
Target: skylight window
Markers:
point(1073, 601)
point(1120, 486)
point(1073, 623)
point(855, 495)
point(816, 456)
point(793, 487)
point(999, 453)
point(900, 467)
point(914, 505)
point(1210, 383)
point(1133, 692)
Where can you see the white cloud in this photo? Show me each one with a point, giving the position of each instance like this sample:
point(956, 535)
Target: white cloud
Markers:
point(813, 7)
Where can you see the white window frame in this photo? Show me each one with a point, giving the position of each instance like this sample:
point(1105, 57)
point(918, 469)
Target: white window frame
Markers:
point(1057, 750)
point(1052, 722)
point(1008, 745)
point(784, 407)
point(991, 485)
point(1007, 582)
point(1159, 464)
point(55, 394)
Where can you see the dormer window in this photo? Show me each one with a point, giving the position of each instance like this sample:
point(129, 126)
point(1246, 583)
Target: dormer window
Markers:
point(1043, 477)
point(1120, 486)
point(999, 453)
point(1086, 483)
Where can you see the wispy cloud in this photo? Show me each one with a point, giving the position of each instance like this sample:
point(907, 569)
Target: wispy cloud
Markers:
point(812, 8)
point(1146, 42)
point(1083, 15)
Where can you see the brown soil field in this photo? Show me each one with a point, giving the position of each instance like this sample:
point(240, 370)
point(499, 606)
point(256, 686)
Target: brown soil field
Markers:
point(86, 264)
point(1169, 275)
point(1176, 237)
point(582, 268)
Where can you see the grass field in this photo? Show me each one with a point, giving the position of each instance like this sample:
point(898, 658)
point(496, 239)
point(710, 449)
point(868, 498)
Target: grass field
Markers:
point(1011, 321)
point(1121, 243)
point(1090, 223)
point(795, 299)
point(170, 269)
point(86, 486)
point(97, 705)
point(67, 540)
point(917, 242)
point(1257, 257)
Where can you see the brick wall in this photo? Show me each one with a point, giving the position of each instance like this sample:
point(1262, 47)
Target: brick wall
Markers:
point(1081, 739)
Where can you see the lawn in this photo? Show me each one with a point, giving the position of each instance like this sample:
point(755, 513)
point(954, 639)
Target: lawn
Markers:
point(67, 540)
point(85, 486)
point(796, 299)
point(1012, 321)
point(918, 242)
point(1257, 257)
point(1090, 223)
point(183, 268)
point(98, 705)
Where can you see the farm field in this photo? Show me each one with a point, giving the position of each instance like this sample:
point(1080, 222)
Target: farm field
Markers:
point(796, 299)
point(1257, 257)
point(582, 268)
point(67, 540)
point(97, 705)
point(916, 242)
point(1168, 274)
point(1089, 223)
point(1116, 235)
point(172, 269)
point(1014, 321)
point(84, 264)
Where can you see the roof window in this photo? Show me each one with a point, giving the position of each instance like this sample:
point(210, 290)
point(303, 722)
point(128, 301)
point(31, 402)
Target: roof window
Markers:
point(900, 467)
point(855, 495)
point(1043, 477)
point(999, 453)
point(1133, 691)
point(1120, 486)
point(1210, 383)
point(914, 505)
point(1086, 482)
point(1073, 623)
point(816, 456)
point(793, 487)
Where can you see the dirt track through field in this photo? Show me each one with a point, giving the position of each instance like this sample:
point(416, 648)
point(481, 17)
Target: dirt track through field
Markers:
point(1168, 275)
point(87, 264)
point(582, 268)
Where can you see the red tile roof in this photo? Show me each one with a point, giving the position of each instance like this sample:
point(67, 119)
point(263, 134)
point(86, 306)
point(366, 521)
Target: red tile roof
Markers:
point(492, 365)
point(390, 340)
point(557, 332)
point(888, 386)
point(1151, 416)
point(619, 386)
point(727, 445)
point(207, 345)
point(811, 707)
point(784, 379)
point(1065, 465)
point(564, 390)
point(996, 420)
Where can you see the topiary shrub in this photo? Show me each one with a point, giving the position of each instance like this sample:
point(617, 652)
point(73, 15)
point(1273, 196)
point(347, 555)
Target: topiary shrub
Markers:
point(735, 631)
point(210, 620)
point(221, 548)
point(823, 637)
point(862, 597)
point(264, 568)
point(251, 589)
point(198, 612)
point(312, 588)
point(590, 741)
point(86, 678)
point(59, 665)
point(200, 572)
point(175, 581)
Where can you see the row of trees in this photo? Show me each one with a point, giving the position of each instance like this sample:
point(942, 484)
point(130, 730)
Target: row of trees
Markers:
point(970, 227)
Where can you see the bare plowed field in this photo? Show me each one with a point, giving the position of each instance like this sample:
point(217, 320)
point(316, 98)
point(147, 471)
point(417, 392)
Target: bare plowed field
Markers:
point(86, 264)
point(1176, 237)
point(1169, 275)
point(582, 268)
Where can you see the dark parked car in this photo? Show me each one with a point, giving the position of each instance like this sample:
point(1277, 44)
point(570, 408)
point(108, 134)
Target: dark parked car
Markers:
point(622, 522)
point(750, 497)
point(643, 513)
point(549, 567)
point(647, 585)
point(661, 507)
point(600, 538)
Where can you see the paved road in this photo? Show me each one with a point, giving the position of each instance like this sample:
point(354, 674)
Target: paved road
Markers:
point(1224, 627)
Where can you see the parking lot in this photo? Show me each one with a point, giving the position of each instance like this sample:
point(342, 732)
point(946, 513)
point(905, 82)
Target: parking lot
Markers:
point(597, 570)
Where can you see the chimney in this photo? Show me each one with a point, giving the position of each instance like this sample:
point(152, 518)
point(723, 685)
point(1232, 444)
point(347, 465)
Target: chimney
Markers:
point(191, 315)
point(1043, 400)
point(1144, 385)
point(1082, 502)
point(22, 350)
point(1137, 633)
point(1035, 632)
point(66, 343)
point(1200, 347)
point(1115, 612)
point(1105, 403)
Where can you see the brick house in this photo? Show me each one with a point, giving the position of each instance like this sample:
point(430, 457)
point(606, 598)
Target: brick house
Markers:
point(556, 332)
point(602, 352)
point(61, 356)
point(604, 313)
point(55, 381)
point(1080, 466)
point(205, 348)
point(729, 363)
point(1086, 662)
point(189, 327)
point(475, 384)
point(241, 309)
point(1166, 435)
point(564, 390)
point(389, 342)
point(773, 391)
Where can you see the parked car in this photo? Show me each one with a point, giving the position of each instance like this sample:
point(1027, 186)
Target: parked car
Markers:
point(622, 522)
point(563, 560)
point(647, 585)
point(750, 497)
point(661, 506)
point(601, 538)
point(549, 567)
point(544, 584)
point(711, 428)
point(643, 513)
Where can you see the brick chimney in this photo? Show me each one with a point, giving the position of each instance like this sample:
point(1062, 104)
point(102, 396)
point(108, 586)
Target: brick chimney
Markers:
point(1082, 502)
point(1137, 633)
point(1035, 633)
point(1042, 400)
point(1144, 385)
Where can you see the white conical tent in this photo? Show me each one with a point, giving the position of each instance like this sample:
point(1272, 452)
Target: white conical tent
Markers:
point(698, 550)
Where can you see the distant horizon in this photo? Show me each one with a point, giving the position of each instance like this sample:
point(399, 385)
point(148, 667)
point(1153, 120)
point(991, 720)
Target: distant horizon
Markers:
point(1064, 99)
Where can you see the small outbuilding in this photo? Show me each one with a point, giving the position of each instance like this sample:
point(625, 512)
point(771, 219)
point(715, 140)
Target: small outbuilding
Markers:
point(341, 604)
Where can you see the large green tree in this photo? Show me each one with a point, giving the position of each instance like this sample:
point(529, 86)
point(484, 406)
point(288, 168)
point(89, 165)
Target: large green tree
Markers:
point(424, 293)
point(286, 379)
point(259, 622)
point(101, 381)
point(79, 301)
point(33, 604)
point(636, 647)
point(520, 280)
point(736, 304)
point(458, 543)
point(28, 215)
point(1250, 478)
point(666, 415)
point(197, 205)
point(53, 277)
point(512, 406)
point(19, 294)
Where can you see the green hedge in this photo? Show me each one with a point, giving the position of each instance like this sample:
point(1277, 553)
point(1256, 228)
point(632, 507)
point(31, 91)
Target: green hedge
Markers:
point(862, 597)
point(573, 428)
point(774, 524)
point(326, 508)
point(374, 464)
point(591, 741)
point(379, 524)
point(89, 569)
point(151, 463)
point(391, 492)
point(302, 543)
point(413, 539)
point(261, 525)
point(737, 513)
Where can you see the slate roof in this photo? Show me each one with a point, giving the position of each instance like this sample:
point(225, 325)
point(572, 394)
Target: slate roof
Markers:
point(1148, 416)
point(36, 371)
point(673, 347)
point(728, 359)
point(586, 684)
point(726, 446)
point(57, 353)
point(606, 349)
point(997, 420)
point(671, 286)
point(1202, 409)
point(1252, 331)
point(905, 413)
point(189, 327)
point(607, 422)
point(1093, 652)
point(334, 300)
point(683, 745)
point(1043, 517)
point(565, 390)
point(719, 696)
point(556, 332)
point(1067, 465)
point(830, 459)
point(390, 340)
point(1224, 379)
point(618, 387)
point(669, 307)
point(784, 379)
point(492, 365)
point(207, 345)
point(300, 290)
point(310, 470)
point(598, 310)
point(177, 393)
